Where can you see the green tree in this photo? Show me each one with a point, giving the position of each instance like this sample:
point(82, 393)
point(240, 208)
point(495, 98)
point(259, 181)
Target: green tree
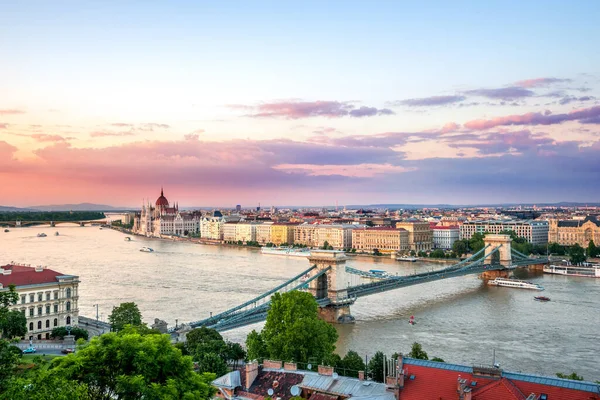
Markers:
point(234, 353)
point(13, 324)
point(293, 331)
point(257, 350)
point(573, 376)
point(476, 242)
point(44, 385)
point(556, 248)
point(128, 365)
point(577, 254)
point(125, 314)
point(211, 362)
point(437, 359)
point(376, 252)
point(10, 356)
point(60, 332)
point(204, 340)
point(592, 250)
point(417, 352)
point(325, 245)
point(352, 363)
point(438, 253)
point(459, 247)
point(376, 366)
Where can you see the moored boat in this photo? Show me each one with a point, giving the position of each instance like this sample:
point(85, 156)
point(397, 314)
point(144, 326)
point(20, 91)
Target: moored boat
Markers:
point(407, 259)
point(285, 251)
point(127, 239)
point(573, 270)
point(56, 233)
point(541, 298)
point(41, 234)
point(6, 230)
point(515, 283)
point(146, 249)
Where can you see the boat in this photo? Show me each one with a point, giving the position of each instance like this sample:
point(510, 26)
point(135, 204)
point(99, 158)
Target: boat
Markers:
point(412, 320)
point(407, 259)
point(56, 233)
point(541, 298)
point(515, 283)
point(41, 234)
point(127, 239)
point(380, 273)
point(100, 228)
point(573, 270)
point(285, 251)
point(146, 249)
point(6, 230)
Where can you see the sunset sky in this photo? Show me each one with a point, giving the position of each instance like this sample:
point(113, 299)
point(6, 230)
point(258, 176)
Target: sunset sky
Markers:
point(299, 103)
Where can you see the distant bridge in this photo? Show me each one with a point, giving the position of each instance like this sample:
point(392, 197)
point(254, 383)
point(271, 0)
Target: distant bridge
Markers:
point(328, 279)
point(20, 223)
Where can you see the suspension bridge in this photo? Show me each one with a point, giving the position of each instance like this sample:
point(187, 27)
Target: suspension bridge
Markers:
point(336, 286)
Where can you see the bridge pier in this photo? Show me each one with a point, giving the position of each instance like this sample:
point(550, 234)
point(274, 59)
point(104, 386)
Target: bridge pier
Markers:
point(499, 273)
point(333, 285)
point(52, 224)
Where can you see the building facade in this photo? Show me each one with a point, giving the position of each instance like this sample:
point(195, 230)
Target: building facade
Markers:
point(420, 235)
point(245, 231)
point(282, 233)
point(263, 233)
point(161, 219)
point(385, 239)
point(445, 236)
point(337, 236)
point(47, 298)
point(229, 229)
point(211, 228)
point(571, 232)
point(534, 231)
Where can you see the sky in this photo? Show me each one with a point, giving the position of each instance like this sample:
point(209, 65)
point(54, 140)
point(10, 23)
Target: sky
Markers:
point(299, 103)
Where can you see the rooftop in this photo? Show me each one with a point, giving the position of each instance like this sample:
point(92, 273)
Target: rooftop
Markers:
point(22, 275)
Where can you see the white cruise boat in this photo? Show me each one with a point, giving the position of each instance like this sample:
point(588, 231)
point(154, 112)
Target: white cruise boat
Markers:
point(146, 249)
point(573, 270)
point(515, 283)
point(407, 259)
point(285, 251)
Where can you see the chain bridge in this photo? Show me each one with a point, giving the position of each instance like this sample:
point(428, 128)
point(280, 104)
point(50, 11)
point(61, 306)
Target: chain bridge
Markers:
point(336, 286)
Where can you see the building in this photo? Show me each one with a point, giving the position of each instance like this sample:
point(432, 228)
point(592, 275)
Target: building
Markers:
point(383, 238)
point(337, 236)
point(245, 231)
point(48, 298)
point(211, 228)
point(570, 232)
point(406, 379)
point(161, 219)
point(420, 235)
point(445, 236)
point(534, 231)
point(282, 233)
point(452, 221)
point(263, 233)
point(229, 229)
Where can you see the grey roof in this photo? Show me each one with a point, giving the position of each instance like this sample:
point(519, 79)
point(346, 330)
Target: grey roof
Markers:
point(578, 223)
point(229, 381)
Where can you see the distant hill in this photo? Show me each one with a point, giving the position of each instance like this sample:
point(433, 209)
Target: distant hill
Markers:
point(14, 209)
point(79, 207)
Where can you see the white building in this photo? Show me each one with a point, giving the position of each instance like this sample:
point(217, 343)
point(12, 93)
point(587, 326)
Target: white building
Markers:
point(165, 220)
point(445, 236)
point(263, 233)
point(229, 229)
point(338, 236)
point(534, 231)
point(47, 298)
point(245, 231)
point(212, 228)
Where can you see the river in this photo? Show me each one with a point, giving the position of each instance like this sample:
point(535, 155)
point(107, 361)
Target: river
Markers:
point(460, 320)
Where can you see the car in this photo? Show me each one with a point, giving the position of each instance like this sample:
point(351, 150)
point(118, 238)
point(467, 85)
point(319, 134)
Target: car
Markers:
point(67, 351)
point(29, 350)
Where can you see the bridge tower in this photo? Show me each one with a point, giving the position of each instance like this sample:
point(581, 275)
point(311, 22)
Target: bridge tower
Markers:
point(504, 241)
point(332, 285)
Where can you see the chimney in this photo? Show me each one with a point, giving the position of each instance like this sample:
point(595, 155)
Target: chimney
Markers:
point(361, 375)
point(467, 394)
point(39, 268)
point(272, 364)
point(288, 366)
point(251, 373)
point(325, 370)
point(6, 271)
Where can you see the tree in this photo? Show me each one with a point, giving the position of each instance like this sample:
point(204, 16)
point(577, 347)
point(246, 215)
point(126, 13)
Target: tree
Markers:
point(438, 253)
point(376, 252)
point(577, 254)
point(204, 340)
point(61, 332)
point(592, 250)
point(10, 356)
point(417, 352)
point(127, 365)
point(376, 366)
point(234, 353)
point(437, 359)
point(125, 314)
point(557, 249)
point(459, 247)
point(325, 245)
point(14, 324)
point(212, 362)
point(476, 242)
point(352, 363)
point(573, 376)
point(44, 385)
point(293, 331)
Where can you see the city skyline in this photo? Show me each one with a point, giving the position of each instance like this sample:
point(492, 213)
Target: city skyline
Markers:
point(309, 104)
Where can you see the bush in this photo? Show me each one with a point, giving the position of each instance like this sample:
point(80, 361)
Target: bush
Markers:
point(61, 332)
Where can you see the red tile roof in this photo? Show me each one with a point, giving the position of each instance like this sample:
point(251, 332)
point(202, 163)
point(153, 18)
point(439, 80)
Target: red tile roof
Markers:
point(21, 276)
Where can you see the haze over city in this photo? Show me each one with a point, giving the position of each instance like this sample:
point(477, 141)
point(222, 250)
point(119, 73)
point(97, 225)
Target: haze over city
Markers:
point(299, 103)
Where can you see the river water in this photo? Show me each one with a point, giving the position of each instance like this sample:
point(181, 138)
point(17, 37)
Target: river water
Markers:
point(460, 320)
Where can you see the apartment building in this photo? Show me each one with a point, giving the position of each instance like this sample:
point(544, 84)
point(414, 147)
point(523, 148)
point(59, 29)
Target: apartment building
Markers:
point(212, 228)
point(245, 231)
point(420, 235)
point(263, 233)
point(534, 231)
point(47, 298)
point(338, 236)
point(445, 236)
point(282, 233)
point(386, 239)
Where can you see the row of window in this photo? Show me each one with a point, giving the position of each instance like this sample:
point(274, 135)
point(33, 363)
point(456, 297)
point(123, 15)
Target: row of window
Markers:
point(39, 324)
point(40, 296)
point(41, 308)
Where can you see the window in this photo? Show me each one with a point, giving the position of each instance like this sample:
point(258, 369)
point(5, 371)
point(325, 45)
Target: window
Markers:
point(68, 293)
point(31, 311)
point(55, 322)
point(68, 320)
point(40, 296)
point(39, 324)
point(68, 306)
point(47, 296)
point(32, 298)
point(23, 299)
point(40, 310)
point(56, 308)
point(56, 295)
point(31, 326)
point(47, 308)
point(47, 323)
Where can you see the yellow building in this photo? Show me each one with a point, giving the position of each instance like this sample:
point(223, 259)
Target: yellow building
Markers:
point(568, 233)
point(337, 236)
point(282, 233)
point(420, 235)
point(385, 239)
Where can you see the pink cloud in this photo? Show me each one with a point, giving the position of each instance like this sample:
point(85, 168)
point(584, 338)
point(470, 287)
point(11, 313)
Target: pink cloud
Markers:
point(11, 112)
point(42, 137)
point(105, 133)
point(307, 109)
point(586, 115)
point(3, 126)
point(121, 124)
point(450, 127)
point(354, 171)
point(540, 82)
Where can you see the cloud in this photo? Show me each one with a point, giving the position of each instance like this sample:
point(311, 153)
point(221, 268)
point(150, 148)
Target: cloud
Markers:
point(11, 112)
point(540, 82)
point(42, 137)
point(570, 99)
point(507, 93)
point(3, 126)
point(450, 127)
point(121, 124)
point(355, 171)
point(151, 126)
point(106, 133)
point(586, 115)
point(429, 101)
point(307, 109)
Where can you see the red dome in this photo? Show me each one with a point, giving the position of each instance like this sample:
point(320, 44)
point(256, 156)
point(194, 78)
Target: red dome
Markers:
point(162, 200)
